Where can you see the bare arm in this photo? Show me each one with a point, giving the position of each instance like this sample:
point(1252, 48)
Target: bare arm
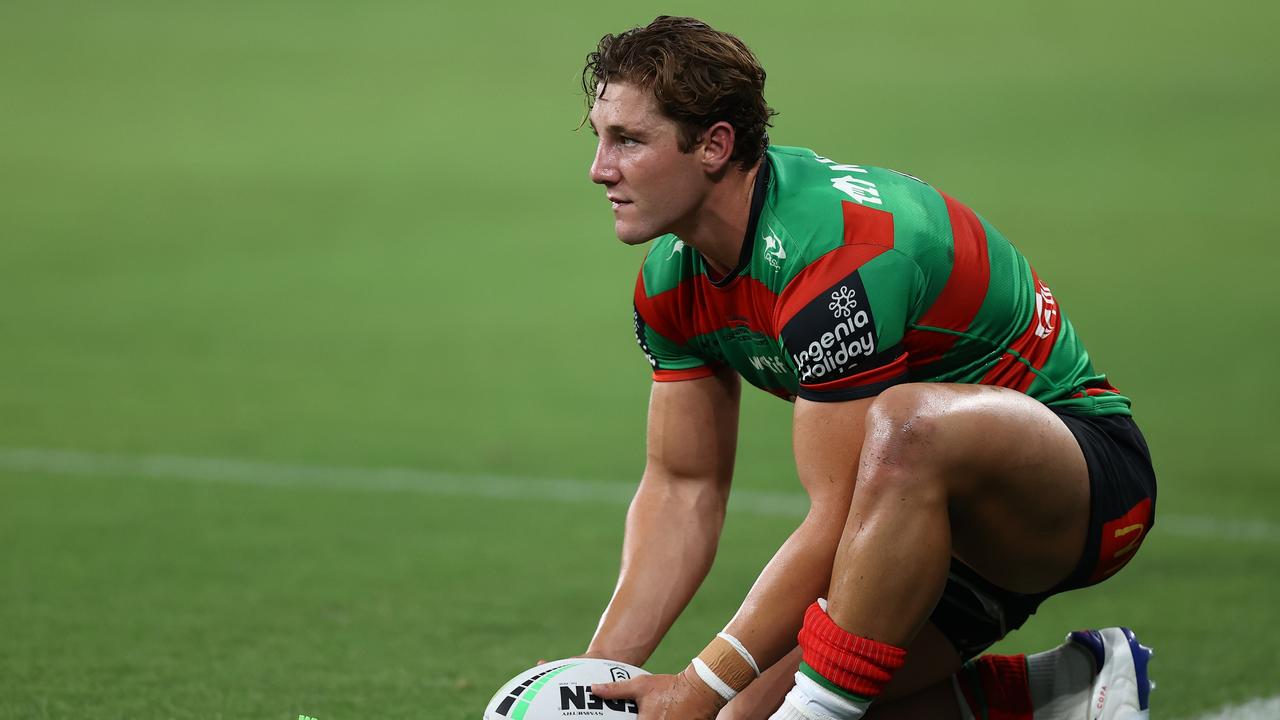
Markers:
point(674, 524)
point(827, 439)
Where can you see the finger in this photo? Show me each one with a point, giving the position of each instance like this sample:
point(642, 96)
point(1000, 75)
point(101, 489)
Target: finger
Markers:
point(624, 690)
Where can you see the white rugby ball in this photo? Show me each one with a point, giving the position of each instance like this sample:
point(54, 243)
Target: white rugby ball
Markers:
point(558, 690)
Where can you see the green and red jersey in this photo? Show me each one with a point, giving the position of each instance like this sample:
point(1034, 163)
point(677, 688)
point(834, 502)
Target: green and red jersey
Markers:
point(853, 279)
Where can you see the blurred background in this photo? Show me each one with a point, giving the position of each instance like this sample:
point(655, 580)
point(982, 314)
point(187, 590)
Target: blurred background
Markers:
point(318, 389)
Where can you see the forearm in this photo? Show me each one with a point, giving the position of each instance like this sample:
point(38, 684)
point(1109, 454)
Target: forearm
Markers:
point(800, 572)
point(673, 528)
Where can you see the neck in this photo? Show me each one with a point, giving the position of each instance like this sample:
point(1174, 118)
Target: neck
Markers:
point(718, 227)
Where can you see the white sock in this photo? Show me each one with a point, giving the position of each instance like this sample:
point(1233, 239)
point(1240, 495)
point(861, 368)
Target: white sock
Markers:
point(810, 701)
point(1061, 682)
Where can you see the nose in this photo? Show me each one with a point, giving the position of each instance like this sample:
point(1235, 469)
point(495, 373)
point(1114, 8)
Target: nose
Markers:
point(603, 170)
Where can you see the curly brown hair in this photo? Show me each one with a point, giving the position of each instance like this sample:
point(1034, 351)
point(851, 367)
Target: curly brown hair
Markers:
point(698, 74)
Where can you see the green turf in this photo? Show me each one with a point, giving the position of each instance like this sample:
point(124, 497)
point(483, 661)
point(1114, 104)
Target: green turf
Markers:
point(235, 230)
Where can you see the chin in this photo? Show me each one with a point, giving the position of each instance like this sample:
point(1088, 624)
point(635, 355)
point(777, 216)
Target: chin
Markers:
point(633, 235)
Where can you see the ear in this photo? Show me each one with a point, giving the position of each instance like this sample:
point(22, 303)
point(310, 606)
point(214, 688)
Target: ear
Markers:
point(717, 147)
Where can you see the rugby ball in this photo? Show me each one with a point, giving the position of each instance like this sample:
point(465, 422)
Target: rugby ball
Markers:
point(561, 689)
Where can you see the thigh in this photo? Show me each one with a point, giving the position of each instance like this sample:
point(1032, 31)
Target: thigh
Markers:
point(1016, 479)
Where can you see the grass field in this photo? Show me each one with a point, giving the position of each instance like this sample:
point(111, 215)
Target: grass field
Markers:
point(253, 255)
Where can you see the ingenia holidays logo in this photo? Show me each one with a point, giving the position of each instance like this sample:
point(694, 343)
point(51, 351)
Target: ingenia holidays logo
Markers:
point(835, 351)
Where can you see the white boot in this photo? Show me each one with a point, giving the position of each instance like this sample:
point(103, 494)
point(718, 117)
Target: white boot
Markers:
point(1122, 689)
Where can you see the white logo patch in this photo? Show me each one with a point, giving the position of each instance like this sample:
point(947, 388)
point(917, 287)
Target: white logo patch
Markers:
point(772, 364)
point(1046, 312)
point(843, 301)
point(861, 191)
point(774, 253)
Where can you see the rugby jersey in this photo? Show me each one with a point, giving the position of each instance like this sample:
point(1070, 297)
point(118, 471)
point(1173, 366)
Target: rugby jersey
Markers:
point(853, 279)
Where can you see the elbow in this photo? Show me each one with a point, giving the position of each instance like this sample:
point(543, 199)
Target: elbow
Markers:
point(706, 497)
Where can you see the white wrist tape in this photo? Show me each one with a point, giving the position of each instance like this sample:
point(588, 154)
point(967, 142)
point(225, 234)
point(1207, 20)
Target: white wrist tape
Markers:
point(712, 680)
point(742, 650)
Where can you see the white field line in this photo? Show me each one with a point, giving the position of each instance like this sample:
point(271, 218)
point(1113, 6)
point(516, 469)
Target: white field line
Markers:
point(505, 487)
point(1257, 709)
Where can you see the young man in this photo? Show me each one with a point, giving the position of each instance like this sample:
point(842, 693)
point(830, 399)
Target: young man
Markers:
point(963, 459)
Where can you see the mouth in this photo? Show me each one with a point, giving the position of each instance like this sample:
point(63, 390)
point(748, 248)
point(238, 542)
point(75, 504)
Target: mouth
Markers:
point(617, 203)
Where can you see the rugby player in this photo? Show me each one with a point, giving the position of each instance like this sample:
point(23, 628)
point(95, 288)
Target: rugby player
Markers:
point(963, 458)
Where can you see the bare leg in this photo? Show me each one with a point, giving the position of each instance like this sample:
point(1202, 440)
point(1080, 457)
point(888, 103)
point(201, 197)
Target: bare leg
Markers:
point(981, 473)
point(987, 473)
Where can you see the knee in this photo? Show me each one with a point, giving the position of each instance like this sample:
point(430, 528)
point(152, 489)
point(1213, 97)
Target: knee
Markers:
point(904, 438)
point(903, 426)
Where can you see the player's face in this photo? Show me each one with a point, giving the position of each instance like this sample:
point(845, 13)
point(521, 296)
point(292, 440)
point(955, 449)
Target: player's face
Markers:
point(654, 188)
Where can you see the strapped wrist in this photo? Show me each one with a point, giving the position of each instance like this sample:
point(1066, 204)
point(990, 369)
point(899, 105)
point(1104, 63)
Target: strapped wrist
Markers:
point(726, 666)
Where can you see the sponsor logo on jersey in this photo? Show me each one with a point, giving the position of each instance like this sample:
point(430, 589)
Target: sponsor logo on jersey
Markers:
point(766, 362)
point(835, 333)
point(1046, 311)
point(843, 301)
point(837, 352)
point(676, 248)
point(774, 253)
point(579, 697)
point(860, 190)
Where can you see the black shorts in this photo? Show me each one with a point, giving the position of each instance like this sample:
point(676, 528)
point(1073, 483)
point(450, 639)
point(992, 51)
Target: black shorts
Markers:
point(974, 613)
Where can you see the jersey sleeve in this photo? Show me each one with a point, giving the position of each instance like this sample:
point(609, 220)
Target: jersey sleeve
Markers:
point(841, 321)
point(663, 343)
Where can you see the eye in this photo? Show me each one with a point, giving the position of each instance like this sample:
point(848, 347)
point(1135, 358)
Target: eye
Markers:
point(628, 141)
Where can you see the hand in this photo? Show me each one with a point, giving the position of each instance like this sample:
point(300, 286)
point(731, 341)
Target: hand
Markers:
point(666, 697)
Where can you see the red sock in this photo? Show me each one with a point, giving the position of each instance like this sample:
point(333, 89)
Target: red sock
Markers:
point(859, 666)
point(996, 687)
